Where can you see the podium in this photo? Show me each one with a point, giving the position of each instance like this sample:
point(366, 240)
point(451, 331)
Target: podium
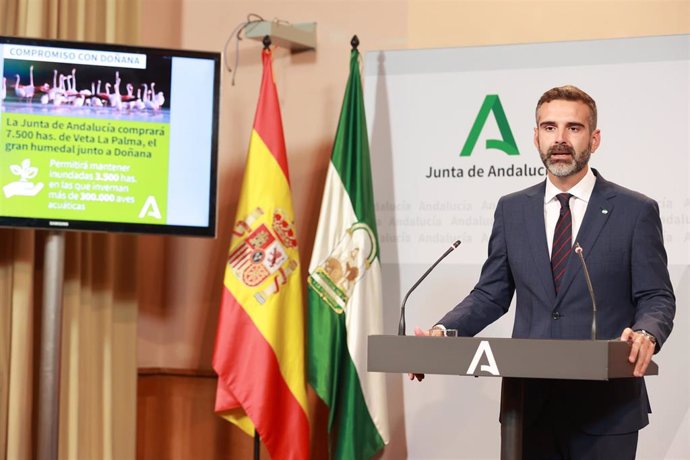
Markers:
point(512, 359)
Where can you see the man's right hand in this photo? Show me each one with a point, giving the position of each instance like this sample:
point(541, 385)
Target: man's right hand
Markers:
point(418, 331)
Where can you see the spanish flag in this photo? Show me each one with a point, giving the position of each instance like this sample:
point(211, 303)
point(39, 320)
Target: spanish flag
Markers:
point(259, 349)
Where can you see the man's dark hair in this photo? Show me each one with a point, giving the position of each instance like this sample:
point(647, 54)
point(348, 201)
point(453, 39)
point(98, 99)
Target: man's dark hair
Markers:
point(571, 93)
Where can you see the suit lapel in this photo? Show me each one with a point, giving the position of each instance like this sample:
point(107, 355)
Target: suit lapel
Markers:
point(536, 235)
point(598, 210)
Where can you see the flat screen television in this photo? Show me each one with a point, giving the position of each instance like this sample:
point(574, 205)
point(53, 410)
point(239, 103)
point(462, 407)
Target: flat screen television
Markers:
point(103, 137)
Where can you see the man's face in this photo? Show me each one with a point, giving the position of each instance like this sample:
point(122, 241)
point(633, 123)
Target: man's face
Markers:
point(564, 138)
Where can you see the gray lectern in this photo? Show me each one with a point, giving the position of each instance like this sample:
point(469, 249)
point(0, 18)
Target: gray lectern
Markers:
point(513, 359)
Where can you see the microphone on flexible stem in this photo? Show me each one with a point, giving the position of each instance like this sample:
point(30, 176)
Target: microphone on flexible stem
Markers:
point(578, 251)
point(401, 326)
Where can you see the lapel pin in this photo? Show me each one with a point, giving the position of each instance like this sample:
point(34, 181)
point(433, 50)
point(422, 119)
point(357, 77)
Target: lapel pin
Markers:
point(604, 211)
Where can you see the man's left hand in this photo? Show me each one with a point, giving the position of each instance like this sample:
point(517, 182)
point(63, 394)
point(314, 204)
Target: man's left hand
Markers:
point(641, 350)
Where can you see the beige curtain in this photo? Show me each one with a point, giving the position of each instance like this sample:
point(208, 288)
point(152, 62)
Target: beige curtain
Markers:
point(98, 355)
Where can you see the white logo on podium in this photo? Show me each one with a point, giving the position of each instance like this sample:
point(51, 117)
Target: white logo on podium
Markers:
point(483, 349)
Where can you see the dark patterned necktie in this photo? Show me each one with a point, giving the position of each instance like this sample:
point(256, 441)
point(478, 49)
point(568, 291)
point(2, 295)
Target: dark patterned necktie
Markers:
point(562, 240)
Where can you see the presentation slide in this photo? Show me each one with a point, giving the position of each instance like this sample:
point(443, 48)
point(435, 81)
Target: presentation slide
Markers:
point(85, 135)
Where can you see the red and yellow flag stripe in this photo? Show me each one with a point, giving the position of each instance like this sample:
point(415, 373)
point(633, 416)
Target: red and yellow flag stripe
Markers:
point(259, 352)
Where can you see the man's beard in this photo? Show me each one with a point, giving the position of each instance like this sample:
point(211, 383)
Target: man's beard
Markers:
point(565, 168)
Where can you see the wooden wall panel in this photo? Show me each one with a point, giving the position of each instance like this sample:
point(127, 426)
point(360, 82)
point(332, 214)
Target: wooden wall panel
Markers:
point(175, 419)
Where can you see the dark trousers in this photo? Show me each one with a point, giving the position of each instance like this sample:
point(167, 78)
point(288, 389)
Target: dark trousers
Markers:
point(553, 437)
point(558, 444)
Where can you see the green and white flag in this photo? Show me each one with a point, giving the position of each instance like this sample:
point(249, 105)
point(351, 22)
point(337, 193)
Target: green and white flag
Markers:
point(344, 293)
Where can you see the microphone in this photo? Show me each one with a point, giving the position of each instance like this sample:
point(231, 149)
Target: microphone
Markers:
point(401, 326)
point(578, 251)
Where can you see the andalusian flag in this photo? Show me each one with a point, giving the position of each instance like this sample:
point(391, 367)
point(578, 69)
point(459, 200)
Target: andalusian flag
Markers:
point(259, 350)
point(344, 293)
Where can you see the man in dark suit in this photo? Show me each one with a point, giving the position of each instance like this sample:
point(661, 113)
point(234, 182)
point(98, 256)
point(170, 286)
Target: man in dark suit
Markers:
point(531, 253)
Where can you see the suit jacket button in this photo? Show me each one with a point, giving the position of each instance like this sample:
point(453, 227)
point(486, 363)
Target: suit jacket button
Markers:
point(555, 315)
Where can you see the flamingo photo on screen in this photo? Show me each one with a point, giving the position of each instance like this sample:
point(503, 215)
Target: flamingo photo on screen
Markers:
point(88, 90)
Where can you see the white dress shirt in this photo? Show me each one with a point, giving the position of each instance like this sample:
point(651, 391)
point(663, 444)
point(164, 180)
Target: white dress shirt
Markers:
point(578, 205)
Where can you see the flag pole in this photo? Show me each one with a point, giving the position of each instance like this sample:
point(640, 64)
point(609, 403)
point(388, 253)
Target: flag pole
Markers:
point(257, 445)
point(257, 439)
